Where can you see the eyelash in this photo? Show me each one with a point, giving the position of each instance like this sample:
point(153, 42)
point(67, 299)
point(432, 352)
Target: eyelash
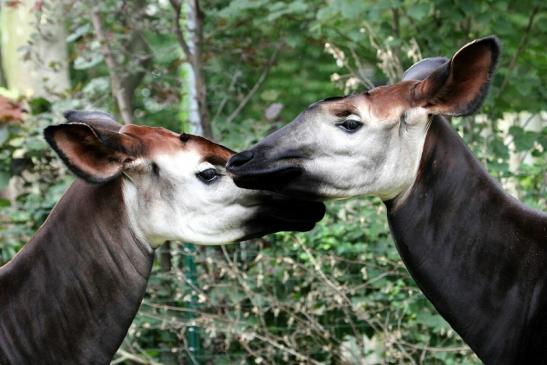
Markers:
point(212, 179)
point(155, 169)
point(350, 125)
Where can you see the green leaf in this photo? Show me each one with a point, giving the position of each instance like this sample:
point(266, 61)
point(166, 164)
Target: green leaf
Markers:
point(269, 95)
point(418, 11)
point(83, 63)
point(523, 140)
point(97, 85)
point(78, 32)
point(4, 179)
point(39, 105)
point(499, 149)
point(430, 320)
point(353, 9)
point(4, 134)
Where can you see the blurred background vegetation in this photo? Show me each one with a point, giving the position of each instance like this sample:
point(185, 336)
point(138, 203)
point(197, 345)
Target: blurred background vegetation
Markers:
point(235, 70)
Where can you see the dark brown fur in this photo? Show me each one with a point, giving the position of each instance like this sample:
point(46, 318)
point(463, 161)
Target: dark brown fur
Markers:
point(478, 254)
point(69, 296)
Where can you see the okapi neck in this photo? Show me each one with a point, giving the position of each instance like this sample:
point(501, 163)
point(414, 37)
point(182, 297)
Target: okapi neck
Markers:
point(70, 295)
point(477, 254)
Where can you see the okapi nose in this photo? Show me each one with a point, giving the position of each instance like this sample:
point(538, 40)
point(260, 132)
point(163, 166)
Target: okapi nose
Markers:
point(239, 160)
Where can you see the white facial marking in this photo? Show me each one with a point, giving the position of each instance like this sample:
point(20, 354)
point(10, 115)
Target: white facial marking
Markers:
point(405, 164)
point(381, 158)
point(205, 165)
point(177, 205)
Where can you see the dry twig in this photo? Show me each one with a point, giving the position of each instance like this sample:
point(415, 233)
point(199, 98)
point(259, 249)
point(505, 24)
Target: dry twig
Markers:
point(113, 68)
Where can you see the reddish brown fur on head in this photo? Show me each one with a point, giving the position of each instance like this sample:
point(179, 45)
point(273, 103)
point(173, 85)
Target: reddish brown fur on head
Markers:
point(388, 102)
point(368, 143)
point(96, 152)
point(460, 85)
point(456, 87)
point(156, 140)
point(211, 152)
point(383, 103)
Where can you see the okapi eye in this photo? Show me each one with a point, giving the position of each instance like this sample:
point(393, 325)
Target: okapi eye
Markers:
point(350, 125)
point(403, 119)
point(155, 169)
point(208, 176)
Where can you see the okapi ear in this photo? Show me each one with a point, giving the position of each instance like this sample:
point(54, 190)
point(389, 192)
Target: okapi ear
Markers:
point(422, 69)
point(94, 154)
point(94, 119)
point(459, 86)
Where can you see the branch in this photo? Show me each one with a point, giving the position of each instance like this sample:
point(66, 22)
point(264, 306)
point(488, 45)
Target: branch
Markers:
point(124, 355)
point(117, 89)
point(522, 44)
point(280, 346)
point(192, 50)
point(178, 31)
point(337, 290)
point(198, 26)
point(361, 70)
point(396, 30)
point(137, 50)
point(235, 78)
point(257, 84)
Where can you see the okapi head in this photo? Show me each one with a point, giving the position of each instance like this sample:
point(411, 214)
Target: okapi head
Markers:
point(368, 143)
point(174, 185)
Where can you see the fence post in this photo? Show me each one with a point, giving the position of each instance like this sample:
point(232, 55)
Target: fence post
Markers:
point(192, 331)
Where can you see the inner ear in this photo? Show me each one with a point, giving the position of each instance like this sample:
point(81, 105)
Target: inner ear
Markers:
point(95, 155)
point(458, 87)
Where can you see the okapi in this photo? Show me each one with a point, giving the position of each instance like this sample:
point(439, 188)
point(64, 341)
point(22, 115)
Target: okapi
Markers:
point(478, 254)
point(70, 294)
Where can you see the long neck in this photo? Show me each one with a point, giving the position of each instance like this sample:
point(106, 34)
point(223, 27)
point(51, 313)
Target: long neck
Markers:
point(71, 293)
point(478, 255)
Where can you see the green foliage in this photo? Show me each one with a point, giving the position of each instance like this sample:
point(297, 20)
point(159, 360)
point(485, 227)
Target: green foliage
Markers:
point(338, 294)
point(36, 176)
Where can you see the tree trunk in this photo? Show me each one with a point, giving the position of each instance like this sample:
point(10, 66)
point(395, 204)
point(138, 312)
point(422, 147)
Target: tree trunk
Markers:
point(34, 51)
point(126, 76)
point(2, 77)
point(126, 110)
point(197, 89)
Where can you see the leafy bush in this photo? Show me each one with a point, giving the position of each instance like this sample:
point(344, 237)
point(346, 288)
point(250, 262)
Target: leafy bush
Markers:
point(34, 173)
point(338, 294)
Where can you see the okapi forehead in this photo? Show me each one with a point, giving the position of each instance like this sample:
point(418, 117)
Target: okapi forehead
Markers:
point(340, 106)
point(154, 140)
point(389, 102)
point(157, 140)
point(381, 103)
point(211, 152)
